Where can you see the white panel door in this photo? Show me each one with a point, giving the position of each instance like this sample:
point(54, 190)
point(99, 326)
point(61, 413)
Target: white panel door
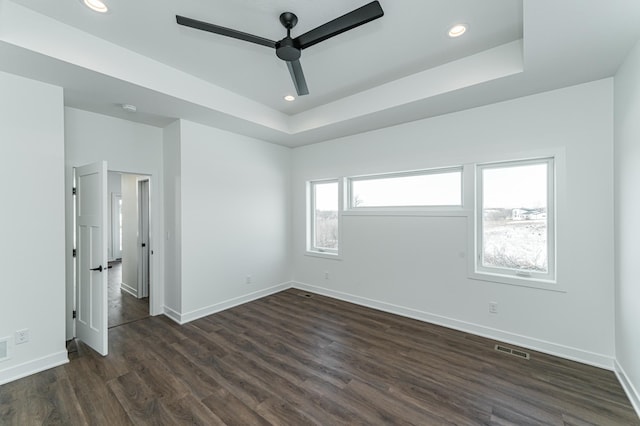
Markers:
point(91, 262)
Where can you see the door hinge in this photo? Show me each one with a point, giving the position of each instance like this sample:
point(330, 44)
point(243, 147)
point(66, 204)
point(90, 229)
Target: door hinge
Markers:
point(74, 315)
point(73, 191)
point(75, 252)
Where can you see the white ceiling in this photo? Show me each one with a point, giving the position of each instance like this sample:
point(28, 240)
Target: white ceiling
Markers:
point(399, 68)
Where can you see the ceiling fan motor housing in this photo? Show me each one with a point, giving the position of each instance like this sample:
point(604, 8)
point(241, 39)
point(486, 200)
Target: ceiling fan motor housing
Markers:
point(286, 50)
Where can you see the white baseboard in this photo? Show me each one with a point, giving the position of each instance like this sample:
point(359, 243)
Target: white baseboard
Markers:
point(172, 314)
point(627, 385)
point(128, 289)
point(32, 367)
point(212, 309)
point(574, 354)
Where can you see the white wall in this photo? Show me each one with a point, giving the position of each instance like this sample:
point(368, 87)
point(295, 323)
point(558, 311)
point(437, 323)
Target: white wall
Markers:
point(627, 206)
point(172, 220)
point(114, 186)
point(417, 266)
point(130, 233)
point(127, 147)
point(32, 214)
point(235, 215)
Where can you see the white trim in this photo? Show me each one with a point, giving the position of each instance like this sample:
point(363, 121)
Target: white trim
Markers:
point(34, 366)
point(227, 304)
point(311, 249)
point(172, 314)
point(627, 385)
point(567, 352)
point(143, 291)
point(517, 281)
point(325, 255)
point(554, 283)
point(410, 211)
point(500, 273)
point(128, 289)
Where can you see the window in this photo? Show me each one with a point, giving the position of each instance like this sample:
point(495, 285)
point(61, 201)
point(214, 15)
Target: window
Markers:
point(324, 203)
point(429, 188)
point(515, 218)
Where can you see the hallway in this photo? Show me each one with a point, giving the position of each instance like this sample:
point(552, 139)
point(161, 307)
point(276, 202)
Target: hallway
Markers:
point(123, 307)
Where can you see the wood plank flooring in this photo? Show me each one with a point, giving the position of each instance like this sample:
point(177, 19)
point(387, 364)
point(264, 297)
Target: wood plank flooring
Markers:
point(123, 307)
point(288, 359)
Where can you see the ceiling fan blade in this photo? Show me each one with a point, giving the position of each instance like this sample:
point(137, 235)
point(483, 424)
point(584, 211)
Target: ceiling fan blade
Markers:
point(355, 18)
point(298, 77)
point(205, 26)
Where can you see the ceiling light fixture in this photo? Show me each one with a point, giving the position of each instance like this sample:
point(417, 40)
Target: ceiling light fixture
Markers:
point(96, 5)
point(457, 30)
point(129, 107)
point(289, 98)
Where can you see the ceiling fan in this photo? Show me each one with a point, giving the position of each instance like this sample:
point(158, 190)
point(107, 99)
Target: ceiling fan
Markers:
point(289, 49)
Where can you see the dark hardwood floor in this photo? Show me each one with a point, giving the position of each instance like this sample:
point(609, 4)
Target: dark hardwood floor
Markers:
point(123, 307)
point(288, 359)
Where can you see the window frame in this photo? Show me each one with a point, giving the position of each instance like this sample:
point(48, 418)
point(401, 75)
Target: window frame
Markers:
point(311, 249)
point(424, 172)
point(546, 280)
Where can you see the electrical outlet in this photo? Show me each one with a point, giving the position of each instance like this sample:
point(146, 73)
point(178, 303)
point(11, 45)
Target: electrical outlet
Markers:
point(326, 275)
point(248, 279)
point(22, 336)
point(493, 307)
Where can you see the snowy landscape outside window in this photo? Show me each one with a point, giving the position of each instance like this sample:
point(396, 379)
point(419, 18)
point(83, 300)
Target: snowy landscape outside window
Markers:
point(515, 219)
point(428, 188)
point(324, 221)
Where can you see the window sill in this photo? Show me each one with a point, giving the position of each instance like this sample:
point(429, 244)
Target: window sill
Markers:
point(537, 283)
point(408, 211)
point(325, 255)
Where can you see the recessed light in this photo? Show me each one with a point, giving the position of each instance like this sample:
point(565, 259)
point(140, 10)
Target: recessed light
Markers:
point(96, 5)
point(289, 98)
point(457, 30)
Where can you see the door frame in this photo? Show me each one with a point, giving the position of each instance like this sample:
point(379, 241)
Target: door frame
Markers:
point(156, 270)
point(144, 222)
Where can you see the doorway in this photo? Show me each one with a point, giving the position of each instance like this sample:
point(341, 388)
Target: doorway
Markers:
point(105, 251)
point(128, 274)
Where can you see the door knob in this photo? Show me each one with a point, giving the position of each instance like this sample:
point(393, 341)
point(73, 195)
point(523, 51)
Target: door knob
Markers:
point(99, 269)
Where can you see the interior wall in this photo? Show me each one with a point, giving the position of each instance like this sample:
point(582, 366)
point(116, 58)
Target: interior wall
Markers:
point(32, 235)
point(172, 220)
point(627, 205)
point(130, 247)
point(113, 187)
point(417, 265)
point(235, 219)
point(127, 147)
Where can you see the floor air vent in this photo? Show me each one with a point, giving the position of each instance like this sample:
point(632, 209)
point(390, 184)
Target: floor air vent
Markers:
point(307, 295)
point(514, 352)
